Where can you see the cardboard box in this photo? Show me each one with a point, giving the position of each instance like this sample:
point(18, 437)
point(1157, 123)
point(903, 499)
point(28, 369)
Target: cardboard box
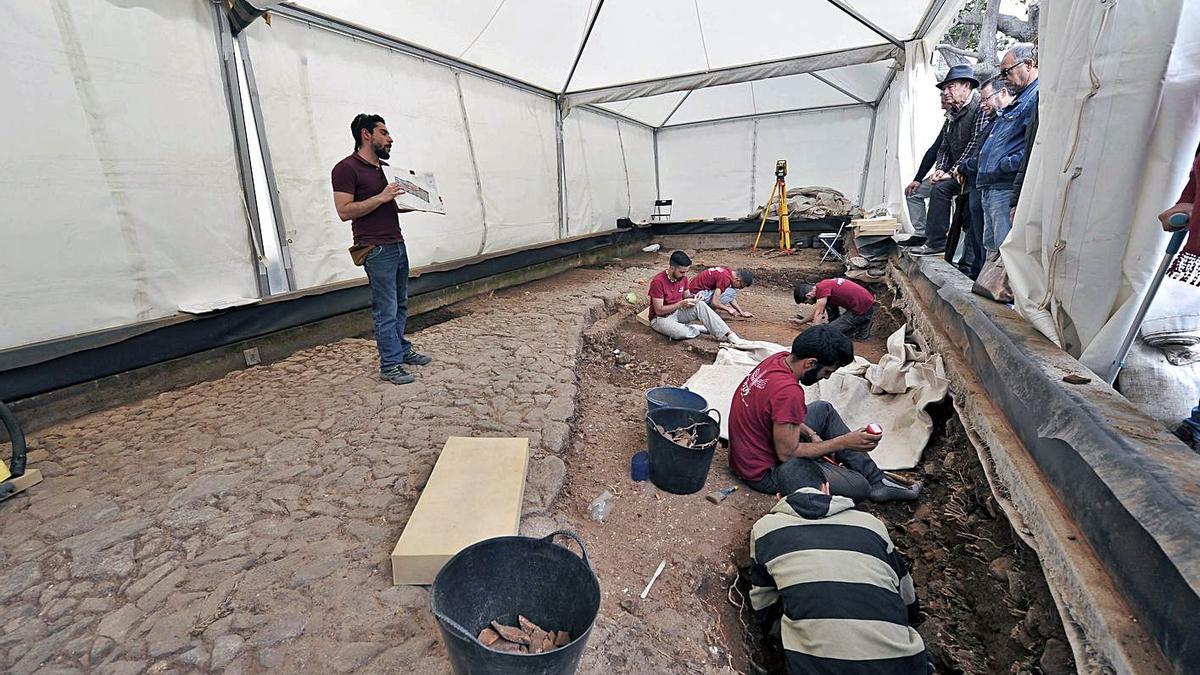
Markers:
point(420, 190)
point(474, 493)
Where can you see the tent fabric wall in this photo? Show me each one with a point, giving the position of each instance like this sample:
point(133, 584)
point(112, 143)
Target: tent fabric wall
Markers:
point(1086, 239)
point(120, 182)
point(725, 169)
point(610, 171)
point(312, 83)
point(707, 170)
point(512, 132)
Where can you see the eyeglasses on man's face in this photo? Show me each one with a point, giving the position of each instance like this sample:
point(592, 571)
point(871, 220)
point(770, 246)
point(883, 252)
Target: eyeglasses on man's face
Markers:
point(1005, 71)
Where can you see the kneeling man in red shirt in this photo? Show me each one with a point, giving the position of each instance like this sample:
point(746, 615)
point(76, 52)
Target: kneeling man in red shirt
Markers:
point(773, 434)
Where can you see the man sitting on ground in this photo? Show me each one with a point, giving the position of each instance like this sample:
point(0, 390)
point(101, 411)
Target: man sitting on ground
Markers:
point(673, 309)
point(831, 296)
point(775, 437)
point(719, 286)
point(841, 590)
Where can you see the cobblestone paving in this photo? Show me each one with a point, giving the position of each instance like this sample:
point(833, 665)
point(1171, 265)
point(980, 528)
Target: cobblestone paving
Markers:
point(244, 524)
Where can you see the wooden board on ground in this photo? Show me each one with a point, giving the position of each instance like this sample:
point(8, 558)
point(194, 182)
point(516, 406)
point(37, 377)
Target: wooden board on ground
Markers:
point(643, 317)
point(27, 480)
point(474, 493)
point(875, 226)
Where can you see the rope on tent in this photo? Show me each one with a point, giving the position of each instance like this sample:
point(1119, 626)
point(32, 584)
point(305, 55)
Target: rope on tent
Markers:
point(1060, 244)
point(703, 43)
point(483, 30)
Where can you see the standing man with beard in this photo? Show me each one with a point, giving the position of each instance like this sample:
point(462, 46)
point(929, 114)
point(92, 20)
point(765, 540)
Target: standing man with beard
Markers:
point(362, 195)
point(774, 437)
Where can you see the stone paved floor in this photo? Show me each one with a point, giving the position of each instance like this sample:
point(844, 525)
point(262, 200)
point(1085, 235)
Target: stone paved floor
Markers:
point(244, 524)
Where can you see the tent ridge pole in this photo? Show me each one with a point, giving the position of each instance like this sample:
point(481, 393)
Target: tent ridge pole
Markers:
point(583, 45)
point(734, 74)
point(844, 91)
point(854, 14)
point(676, 108)
point(795, 111)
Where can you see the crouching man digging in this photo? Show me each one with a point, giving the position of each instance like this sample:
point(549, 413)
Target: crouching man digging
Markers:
point(673, 309)
point(775, 438)
point(719, 286)
point(841, 591)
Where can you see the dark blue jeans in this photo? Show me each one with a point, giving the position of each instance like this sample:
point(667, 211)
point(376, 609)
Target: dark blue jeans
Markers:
point(852, 476)
point(387, 272)
point(973, 252)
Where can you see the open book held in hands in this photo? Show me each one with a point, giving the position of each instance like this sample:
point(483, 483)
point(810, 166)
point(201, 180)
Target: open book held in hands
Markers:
point(420, 190)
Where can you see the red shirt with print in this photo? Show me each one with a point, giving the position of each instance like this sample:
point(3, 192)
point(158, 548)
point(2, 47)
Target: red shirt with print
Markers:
point(846, 294)
point(715, 279)
point(670, 292)
point(769, 395)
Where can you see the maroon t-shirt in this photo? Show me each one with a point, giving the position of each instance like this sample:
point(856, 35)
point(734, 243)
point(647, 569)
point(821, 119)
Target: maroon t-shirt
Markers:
point(355, 175)
point(846, 294)
point(770, 394)
point(715, 279)
point(670, 292)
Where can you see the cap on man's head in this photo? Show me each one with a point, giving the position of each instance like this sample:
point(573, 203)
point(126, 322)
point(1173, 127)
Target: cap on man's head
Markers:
point(680, 259)
point(960, 72)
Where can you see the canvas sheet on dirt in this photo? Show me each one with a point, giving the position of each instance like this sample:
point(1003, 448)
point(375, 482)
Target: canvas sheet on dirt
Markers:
point(892, 393)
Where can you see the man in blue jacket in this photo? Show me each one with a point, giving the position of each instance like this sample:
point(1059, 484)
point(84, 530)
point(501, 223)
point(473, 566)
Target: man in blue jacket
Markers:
point(1002, 153)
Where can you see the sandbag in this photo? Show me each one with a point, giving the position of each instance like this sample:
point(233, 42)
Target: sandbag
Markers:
point(993, 280)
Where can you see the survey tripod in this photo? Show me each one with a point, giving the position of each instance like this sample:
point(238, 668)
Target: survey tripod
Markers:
point(780, 189)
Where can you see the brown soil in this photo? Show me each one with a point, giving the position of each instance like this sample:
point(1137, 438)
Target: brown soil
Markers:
point(987, 605)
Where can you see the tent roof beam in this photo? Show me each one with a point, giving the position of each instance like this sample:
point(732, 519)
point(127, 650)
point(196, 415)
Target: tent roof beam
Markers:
point(734, 75)
point(751, 116)
point(854, 14)
point(843, 90)
point(583, 45)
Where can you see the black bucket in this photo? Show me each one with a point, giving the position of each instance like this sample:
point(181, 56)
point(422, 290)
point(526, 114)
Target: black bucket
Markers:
point(674, 397)
point(499, 578)
point(673, 467)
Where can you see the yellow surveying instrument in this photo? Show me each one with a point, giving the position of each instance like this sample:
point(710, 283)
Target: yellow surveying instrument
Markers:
point(780, 189)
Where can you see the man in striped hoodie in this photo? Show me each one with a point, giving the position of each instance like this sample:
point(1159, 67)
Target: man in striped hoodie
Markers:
point(846, 597)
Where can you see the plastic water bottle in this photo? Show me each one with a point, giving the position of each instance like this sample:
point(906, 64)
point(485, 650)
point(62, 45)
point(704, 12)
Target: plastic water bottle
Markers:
point(600, 507)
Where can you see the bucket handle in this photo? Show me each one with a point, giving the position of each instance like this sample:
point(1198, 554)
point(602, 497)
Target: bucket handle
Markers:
point(471, 637)
point(714, 410)
point(567, 533)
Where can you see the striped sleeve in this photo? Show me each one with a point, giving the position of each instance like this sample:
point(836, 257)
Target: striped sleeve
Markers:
point(763, 593)
point(908, 593)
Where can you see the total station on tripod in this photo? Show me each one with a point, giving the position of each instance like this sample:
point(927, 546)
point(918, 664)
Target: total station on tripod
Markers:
point(781, 168)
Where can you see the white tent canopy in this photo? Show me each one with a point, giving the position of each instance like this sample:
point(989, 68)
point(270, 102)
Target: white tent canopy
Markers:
point(199, 173)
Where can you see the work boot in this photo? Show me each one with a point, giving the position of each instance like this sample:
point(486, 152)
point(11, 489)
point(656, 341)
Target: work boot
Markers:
point(397, 375)
point(412, 358)
point(888, 490)
point(915, 240)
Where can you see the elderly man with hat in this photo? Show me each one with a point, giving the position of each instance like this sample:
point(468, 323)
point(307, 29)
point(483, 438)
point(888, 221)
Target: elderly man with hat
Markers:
point(960, 99)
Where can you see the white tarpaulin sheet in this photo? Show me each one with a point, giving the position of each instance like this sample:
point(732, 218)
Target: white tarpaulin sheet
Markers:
point(892, 393)
point(725, 169)
point(119, 182)
point(1086, 240)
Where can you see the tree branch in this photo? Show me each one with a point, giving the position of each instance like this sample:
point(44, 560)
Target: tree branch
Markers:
point(957, 51)
point(1016, 28)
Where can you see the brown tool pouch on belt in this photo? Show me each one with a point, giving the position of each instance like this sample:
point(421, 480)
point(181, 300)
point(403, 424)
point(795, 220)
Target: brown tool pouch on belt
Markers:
point(359, 253)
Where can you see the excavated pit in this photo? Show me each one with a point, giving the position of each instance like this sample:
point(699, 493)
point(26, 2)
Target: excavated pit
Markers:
point(986, 603)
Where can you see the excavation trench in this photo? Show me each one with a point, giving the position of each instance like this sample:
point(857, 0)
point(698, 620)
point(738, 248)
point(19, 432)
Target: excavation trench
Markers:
point(986, 603)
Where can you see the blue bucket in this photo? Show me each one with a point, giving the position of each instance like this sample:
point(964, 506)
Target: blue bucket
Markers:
point(674, 397)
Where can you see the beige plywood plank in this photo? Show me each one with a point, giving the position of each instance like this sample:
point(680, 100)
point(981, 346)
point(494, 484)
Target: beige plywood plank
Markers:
point(27, 480)
point(474, 493)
